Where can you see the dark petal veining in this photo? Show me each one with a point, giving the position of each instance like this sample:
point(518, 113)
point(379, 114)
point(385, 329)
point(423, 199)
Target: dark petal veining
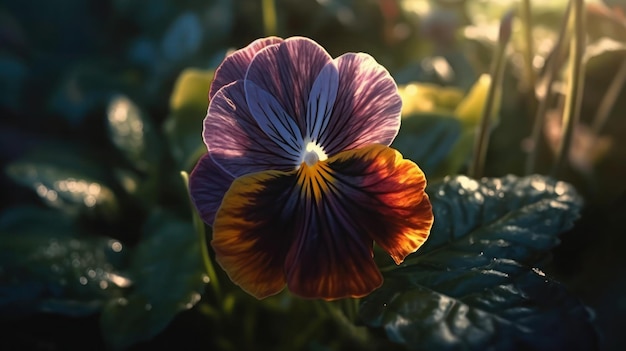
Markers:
point(287, 72)
point(367, 108)
point(234, 138)
point(235, 65)
point(274, 121)
point(321, 101)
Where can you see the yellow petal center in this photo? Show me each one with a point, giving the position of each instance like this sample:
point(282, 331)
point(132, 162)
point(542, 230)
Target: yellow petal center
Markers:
point(314, 180)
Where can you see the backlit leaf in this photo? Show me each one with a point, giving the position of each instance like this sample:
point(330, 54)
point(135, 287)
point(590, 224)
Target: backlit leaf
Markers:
point(132, 133)
point(470, 109)
point(188, 106)
point(428, 97)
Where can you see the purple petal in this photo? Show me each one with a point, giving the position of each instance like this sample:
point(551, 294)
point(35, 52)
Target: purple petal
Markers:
point(234, 138)
point(235, 65)
point(367, 109)
point(287, 72)
point(321, 101)
point(207, 185)
point(274, 121)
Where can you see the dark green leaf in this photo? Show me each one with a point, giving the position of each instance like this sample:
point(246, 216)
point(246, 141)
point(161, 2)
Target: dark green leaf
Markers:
point(427, 140)
point(460, 153)
point(534, 204)
point(84, 88)
point(183, 37)
point(168, 277)
point(65, 188)
point(473, 285)
point(46, 267)
point(30, 219)
point(12, 77)
point(67, 178)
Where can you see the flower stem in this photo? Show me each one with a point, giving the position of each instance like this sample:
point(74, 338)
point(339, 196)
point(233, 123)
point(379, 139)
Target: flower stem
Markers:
point(544, 93)
point(497, 71)
point(526, 19)
point(343, 313)
point(608, 101)
point(200, 230)
point(571, 112)
point(269, 17)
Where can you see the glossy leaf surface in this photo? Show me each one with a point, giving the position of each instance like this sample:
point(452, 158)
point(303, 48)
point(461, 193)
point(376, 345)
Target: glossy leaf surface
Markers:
point(474, 285)
point(66, 179)
point(47, 267)
point(168, 277)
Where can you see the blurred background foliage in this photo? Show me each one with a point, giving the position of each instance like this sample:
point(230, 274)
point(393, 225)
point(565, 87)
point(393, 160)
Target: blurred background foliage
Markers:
point(102, 105)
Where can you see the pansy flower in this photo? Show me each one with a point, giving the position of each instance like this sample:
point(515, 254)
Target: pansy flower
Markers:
point(299, 180)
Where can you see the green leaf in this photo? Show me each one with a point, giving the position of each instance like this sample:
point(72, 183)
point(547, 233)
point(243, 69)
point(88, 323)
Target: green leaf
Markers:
point(133, 134)
point(427, 139)
point(46, 267)
point(419, 97)
point(70, 183)
point(188, 106)
point(462, 205)
point(35, 220)
point(474, 285)
point(470, 109)
point(168, 277)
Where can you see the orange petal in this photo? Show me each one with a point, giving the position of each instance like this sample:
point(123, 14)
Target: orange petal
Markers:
point(354, 198)
point(251, 235)
point(387, 193)
point(314, 228)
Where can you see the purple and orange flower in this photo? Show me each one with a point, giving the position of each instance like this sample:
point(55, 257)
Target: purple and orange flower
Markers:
point(299, 180)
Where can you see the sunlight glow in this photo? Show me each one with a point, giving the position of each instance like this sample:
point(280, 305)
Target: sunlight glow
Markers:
point(119, 280)
point(116, 246)
point(538, 185)
point(90, 192)
point(312, 154)
point(50, 195)
point(126, 124)
point(195, 297)
point(468, 183)
point(418, 7)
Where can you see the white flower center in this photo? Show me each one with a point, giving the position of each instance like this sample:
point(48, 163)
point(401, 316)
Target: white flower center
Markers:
point(313, 153)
